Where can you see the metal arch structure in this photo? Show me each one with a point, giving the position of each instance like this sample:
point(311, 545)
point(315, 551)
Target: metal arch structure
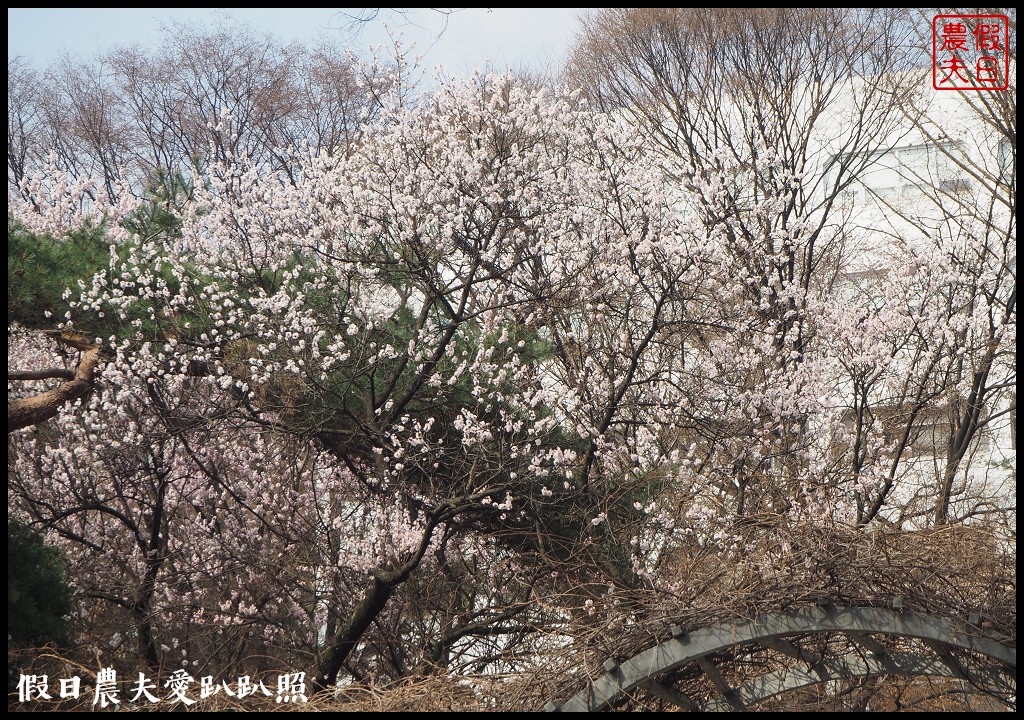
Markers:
point(855, 666)
point(955, 649)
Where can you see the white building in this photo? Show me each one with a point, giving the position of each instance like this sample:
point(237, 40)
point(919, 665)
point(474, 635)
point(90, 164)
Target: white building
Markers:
point(946, 190)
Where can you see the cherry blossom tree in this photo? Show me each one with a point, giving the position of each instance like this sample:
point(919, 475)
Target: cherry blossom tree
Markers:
point(816, 388)
point(408, 318)
point(963, 220)
point(420, 397)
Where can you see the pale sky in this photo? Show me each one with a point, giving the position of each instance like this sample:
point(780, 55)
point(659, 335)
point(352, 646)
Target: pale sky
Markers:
point(517, 37)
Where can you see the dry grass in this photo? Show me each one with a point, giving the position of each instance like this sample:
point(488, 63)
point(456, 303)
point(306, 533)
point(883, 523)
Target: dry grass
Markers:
point(947, 572)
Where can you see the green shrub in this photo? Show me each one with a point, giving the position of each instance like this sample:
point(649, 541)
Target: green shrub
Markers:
point(39, 599)
point(40, 268)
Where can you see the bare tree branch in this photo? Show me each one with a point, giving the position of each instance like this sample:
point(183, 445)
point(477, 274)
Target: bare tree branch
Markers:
point(37, 409)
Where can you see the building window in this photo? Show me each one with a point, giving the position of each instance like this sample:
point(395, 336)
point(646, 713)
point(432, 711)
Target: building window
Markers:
point(955, 186)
